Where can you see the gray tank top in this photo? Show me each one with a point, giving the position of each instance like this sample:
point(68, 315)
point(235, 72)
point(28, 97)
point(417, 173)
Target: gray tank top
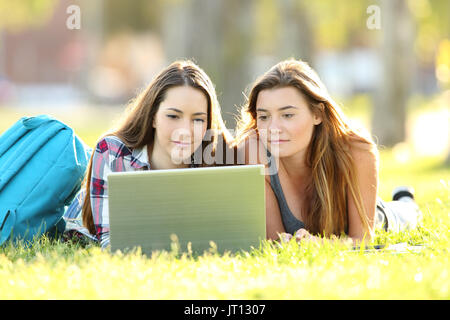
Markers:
point(290, 222)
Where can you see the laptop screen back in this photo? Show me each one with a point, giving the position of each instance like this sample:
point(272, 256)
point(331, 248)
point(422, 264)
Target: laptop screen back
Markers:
point(225, 205)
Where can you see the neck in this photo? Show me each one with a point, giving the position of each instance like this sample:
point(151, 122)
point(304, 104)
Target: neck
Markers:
point(295, 166)
point(161, 160)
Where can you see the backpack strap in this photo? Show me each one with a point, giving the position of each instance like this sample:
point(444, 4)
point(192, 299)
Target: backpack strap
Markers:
point(7, 222)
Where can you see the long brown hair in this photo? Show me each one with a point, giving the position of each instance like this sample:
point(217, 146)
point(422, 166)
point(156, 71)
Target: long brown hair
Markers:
point(328, 154)
point(136, 128)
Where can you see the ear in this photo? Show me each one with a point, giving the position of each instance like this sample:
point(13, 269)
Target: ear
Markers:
point(317, 119)
point(317, 116)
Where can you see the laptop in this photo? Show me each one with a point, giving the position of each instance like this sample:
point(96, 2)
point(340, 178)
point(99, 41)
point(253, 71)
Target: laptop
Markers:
point(225, 205)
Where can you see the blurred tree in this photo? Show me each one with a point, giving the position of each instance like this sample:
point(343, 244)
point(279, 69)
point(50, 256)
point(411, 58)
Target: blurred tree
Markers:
point(283, 29)
point(412, 31)
point(296, 33)
point(266, 26)
point(218, 36)
point(389, 114)
point(338, 26)
point(237, 46)
point(137, 15)
point(20, 14)
point(433, 20)
point(16, 16)
point(228, 38)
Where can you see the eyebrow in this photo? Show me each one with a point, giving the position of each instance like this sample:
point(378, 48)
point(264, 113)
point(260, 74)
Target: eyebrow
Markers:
point(179, 111)
point(279, 109)
point(175, 109)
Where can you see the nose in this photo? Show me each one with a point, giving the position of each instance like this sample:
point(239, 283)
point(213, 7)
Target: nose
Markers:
point(274, 128)
point(183, 132)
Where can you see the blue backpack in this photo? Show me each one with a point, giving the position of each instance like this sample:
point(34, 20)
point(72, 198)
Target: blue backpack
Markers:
point(42, 165)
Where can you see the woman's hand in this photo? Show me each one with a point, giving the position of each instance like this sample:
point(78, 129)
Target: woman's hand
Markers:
point(300, 235)
point(303, 235)
point(284, 237)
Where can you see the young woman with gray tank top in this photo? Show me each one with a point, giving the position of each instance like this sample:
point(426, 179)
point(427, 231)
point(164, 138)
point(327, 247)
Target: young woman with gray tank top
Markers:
point(322, 173)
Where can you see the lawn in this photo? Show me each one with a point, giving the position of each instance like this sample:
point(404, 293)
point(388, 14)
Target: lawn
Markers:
point(56, 270)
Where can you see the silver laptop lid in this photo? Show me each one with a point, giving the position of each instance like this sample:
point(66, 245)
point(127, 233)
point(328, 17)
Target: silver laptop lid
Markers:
point(225, 205)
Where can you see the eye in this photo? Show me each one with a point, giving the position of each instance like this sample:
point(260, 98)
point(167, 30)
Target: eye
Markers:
point(172, 116)
point(199, 120)
point(262, 117)
point(288, 115)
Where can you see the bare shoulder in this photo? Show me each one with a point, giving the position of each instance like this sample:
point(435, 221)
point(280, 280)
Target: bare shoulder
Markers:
point(365, 159)
point(364, 155)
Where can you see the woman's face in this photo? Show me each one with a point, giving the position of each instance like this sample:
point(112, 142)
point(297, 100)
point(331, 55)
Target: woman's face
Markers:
point(284, 121)
point(180, 123)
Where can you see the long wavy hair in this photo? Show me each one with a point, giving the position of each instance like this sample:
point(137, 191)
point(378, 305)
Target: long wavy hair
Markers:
point(328, 154)
point(136, 130)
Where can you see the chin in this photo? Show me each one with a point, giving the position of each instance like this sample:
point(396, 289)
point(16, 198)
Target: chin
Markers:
point(285, 153)
point(179, 156)
point(279, 151)
point(281, 154)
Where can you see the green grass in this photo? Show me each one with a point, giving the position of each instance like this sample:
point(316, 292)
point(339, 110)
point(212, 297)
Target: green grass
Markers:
point(51, 269)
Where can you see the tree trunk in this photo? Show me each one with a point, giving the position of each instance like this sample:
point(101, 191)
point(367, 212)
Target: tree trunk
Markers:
point(296, 36)
point(237, 47)
point(216, 35)
point(92, 31)
point(389, 114)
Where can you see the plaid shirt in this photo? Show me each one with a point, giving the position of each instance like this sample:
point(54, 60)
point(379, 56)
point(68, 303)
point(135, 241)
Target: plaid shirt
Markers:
point(111, 155)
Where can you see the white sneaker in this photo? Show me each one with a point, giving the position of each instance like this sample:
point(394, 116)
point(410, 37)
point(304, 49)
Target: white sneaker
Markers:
point(403, 193)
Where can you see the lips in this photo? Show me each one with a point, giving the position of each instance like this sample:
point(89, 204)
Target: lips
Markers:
point(182, 143)
point(277, 141)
